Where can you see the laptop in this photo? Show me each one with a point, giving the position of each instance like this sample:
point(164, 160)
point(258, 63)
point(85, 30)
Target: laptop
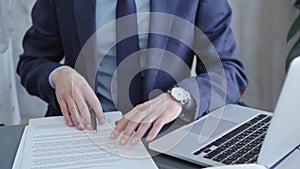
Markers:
point(240, 135)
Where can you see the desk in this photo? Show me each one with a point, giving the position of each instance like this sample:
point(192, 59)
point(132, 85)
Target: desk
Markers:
point(10, 137)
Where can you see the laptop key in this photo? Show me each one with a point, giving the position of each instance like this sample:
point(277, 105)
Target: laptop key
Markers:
point(234, 148)
point(207, 150)
point(220, 158)
point(247, 148)
point(256, 119)
point(236, 131)
point(256, 151)
point(226, 145)
point(268, 119)
point(265, 128)
point(230, 142)
point(201, 150)
point(235, 140)
point(222, 148)
point(212, 154)
point(250, 155)
point(253, 160)
point(239, 145)
point(226, 153)
point(240, 137)
point(261, 116)
point(243, 160)
point(239, 162)
point(196, 153)
point(227, 162)
point(255, 142)
point(234, 156)
point(256, 134)
point(219, 141)
point(242, 151)
point(251, 145)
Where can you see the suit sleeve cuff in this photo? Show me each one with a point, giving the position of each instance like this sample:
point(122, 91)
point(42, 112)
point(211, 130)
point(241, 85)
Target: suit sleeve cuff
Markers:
point(189, 113)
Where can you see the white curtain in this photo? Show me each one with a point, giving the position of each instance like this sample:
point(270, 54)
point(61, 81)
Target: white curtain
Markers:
point(9, 106)
point(14, 21)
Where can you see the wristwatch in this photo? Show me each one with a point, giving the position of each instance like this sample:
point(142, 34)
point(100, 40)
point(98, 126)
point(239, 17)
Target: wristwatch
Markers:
point(180, 95)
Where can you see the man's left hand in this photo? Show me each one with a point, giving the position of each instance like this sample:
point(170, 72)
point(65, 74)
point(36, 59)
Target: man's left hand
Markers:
point(156, 113)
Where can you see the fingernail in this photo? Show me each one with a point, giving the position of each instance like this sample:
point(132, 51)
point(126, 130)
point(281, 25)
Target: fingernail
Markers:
point(122, 141)
point(134, 141)
point(89, 127)
point(80, 127)
point(149, 139)
point(112, 135)
point(102, 121)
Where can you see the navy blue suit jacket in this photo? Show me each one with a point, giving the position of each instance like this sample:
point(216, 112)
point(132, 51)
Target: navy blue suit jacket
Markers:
point(61, 28)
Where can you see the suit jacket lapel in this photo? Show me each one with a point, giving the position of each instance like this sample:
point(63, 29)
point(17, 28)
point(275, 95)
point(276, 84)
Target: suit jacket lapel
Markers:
point(157, 41)
point(85, 17)
point(159, 6)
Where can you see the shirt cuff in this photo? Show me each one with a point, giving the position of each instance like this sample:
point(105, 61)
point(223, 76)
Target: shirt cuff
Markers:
point(49, 78)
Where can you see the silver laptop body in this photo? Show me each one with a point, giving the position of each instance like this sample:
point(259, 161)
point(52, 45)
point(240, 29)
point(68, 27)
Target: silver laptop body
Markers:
point(221, 129)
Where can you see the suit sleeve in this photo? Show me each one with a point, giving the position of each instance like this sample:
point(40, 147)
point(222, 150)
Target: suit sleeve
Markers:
point(42, 52)
point(219, 80)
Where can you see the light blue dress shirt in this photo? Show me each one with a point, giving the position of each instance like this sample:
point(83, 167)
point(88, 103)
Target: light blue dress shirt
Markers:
point(105, 15)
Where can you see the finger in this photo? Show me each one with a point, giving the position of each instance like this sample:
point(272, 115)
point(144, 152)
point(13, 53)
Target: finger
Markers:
point(134, 118)
point(74, 113)
point(116, 122)
point(157, 125)
point(93, 101)
point(138, 113)
point(143, 127)
point(83, 109)
point(65, 112)
point(119, 128)
point(154, 114)
point(129, 130)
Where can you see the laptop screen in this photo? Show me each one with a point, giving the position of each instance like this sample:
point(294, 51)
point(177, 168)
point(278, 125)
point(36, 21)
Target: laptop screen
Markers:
point(283, 134)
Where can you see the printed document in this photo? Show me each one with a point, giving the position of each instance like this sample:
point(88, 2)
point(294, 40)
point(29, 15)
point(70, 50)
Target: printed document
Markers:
point(48, 143)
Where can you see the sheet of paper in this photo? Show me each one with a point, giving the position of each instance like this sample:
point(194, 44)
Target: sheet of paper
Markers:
point(50, 143)
point(59, 121)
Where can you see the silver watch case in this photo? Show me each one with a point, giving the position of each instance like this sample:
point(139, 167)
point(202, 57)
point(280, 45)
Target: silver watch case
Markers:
point(180, 95)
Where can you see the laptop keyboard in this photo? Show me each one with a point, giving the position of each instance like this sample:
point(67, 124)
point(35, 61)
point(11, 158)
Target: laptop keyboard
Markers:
point(240, 146)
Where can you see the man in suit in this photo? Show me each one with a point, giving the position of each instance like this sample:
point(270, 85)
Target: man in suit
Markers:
point(61, 28)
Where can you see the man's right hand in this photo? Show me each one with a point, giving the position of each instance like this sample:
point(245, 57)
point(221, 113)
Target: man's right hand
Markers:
point(73, 93)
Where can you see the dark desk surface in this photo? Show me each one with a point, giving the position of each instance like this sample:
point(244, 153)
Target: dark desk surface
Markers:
point(10, 137)
point(9, 142)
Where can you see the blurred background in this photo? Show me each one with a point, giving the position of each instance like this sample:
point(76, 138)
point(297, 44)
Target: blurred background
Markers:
point(260, 28)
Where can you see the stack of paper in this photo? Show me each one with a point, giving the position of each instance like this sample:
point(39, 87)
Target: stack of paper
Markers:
point(49, 143)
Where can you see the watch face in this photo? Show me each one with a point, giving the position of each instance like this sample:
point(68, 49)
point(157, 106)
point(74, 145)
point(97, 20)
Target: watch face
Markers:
point(180, 94)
